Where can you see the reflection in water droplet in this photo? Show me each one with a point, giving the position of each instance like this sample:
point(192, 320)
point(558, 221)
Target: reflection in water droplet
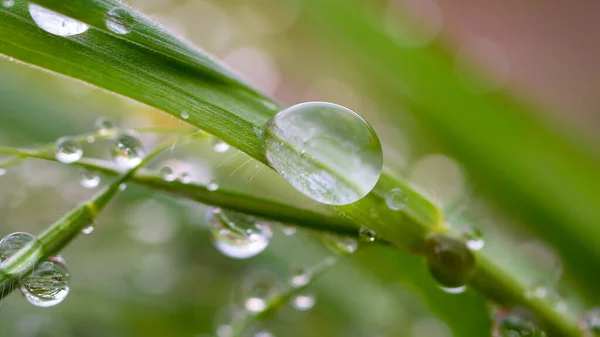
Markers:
point(167, 174)
point(48, 284)
point(325, 151)
point(300, 278)
point(212, 186)
point(237, 235)
point(366, 234)
point(258, 290)
point(127, 151)
point(450, 262)
point(88, 230)
point(68, 150)
point(457, 290)
point(8, 3)
point(590, 322)
point(474, 238)
point(341, 244)
point(90, 179)
point(55, 23)
point(103, 126)
point(396, 199)
point(119, 20)
point(220, 146)
point(22, 246)
point(304, 301)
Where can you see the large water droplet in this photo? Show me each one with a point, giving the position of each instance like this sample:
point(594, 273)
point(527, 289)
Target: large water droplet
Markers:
point(300, 278)
point(8, 3)
point(517, 322)
point(474, 238)
point(451, 263)
point(23, 247)
point(90, 179)
point(304, 301)
point(259, 290)
point(68, 150)
point(325, 151)
point(590, 323)
point(127, 151)
point(396, 199)
point(341, 244)
point(119, 20)
point(103, 126)
point(48, 284)
point(167, 174)
point(237, 235)
point(55, 23)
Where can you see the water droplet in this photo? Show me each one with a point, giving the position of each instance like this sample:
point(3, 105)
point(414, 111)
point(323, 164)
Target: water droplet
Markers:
point(264, 333)
point(590, 322)
point(127, 151)
point(366, 234)
point(259, 290)
point(90, 179)
point(185, 115)
point(22, 246)
point(474, 238)
point(300, 278)
point(88, 230)
point(325, 151)
point(185, 178)
point(2, 171)
point(119, 20)
point(289, 230)
point(103, 126)
point(517, 322)
point(341, 244)
point(224, 330)
point(537, 291)
point(8, 3)
point(167, 174)
point(122, 187)
point(304, 301)
point(396, 199)
point(450, 262)
point(457, 290)
point(55, 23)
point(48, 284)
point(212, 186)
point(237, 235)
point(220, 146)
point(68, 150)
point(90, 139)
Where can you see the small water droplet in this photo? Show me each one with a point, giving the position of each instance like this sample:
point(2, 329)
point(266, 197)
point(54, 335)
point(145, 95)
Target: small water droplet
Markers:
point(8, 3)
point(237, 235)
point(300, 278)
point(122, 187)
point(22, 245)
point(220, 146)
point(224, 330)
point(325, 151)
point(90, 179)
point(2, 171)
point(289, 230)
point(55, 23)
point(88, 230)
point(590, 322)
point(396, 199)
point(457, 290)
point(474, 238)
point(304, 301)
point(48, 284)
point(167, 174)
point(90, 139)
point(259, 290)
point(119, 21)
point(103, 126)
point(341, 244)
point(517, 322)
point(264, 333)
point(537, 291)
point(212, 186)
point(185, 178)
point(185, 115)
point(366, 234)
point(68, 150)
point(450, 262)
point(127, 151)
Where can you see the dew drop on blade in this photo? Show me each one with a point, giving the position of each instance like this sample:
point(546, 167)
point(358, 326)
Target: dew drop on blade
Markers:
point(103, 126)
point(212, 186)
point(127, 150)
point(220, 146)
point(23, 246)
point(8, 3)
point(304, 301)
point(90, 179)
point(48, 284)
point(184, 115)
point(119, 21)
point(237, 235)
point(260, 289)
point(185, 178)
point(396, 199)
point(474, 238)
point(300, 278)
point(517, 322)
point(366, 234)
point(340, 244)
point(450, 262)
point(167, 174)
point(325, 151)
point(68, 150)
point(88, 230)
point(55, 23)
point(289, 230)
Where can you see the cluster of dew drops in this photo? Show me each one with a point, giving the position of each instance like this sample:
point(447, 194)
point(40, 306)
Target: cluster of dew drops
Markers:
point(295, 138)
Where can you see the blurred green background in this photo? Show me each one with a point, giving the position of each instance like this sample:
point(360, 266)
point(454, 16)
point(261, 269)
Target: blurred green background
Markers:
point(149, 268)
